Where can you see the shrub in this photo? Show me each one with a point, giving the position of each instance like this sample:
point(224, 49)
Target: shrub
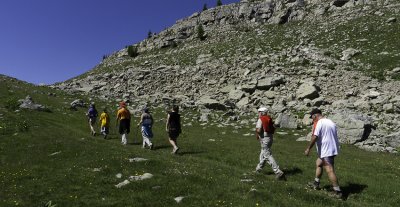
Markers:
point(200, 32)
point(12, 104)
point(205, 7)
point(132, 51)
point(219, 3)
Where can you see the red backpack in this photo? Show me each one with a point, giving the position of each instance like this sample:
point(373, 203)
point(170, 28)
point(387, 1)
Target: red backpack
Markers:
point(267, 124)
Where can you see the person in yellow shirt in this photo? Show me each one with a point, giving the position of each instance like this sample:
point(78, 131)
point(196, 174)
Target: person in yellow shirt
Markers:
point(104, 123)
point(124, 119)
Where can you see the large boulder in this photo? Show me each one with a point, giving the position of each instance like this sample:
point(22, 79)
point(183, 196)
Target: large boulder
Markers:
point(210, 103)
point(236, 95)
point(349, 53)
point(393, 140)
point(28, 103)
point(307, 90)
point(267, 83)
point(352, 127)
point(286, 121)
point(77, 103)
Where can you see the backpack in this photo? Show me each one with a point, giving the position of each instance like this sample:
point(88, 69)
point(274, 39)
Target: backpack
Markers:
point(267, 124)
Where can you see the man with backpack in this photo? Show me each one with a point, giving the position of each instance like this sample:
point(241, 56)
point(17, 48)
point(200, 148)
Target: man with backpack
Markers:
point(92, 116)
point(264, 133)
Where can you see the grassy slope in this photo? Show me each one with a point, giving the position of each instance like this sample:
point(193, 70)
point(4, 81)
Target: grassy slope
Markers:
point(370, 34)
point(207, 173)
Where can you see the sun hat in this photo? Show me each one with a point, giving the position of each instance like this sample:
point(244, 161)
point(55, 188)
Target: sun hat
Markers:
point(262, 109)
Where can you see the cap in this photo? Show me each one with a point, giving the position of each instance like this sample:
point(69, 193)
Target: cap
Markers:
point(262, 109)
point(315, 111)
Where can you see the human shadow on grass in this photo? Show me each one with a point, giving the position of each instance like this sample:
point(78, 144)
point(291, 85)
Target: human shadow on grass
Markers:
point(347, 190)
point(288, 171)
point(352, 188)
point(181, 153)
point(157, 147)
point(292, 171)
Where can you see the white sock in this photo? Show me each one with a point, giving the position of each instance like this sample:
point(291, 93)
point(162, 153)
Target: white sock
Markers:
point(336, 188)
point(316, 180)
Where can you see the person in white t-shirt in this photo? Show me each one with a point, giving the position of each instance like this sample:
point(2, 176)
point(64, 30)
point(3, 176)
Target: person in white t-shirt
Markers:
point(324, 134)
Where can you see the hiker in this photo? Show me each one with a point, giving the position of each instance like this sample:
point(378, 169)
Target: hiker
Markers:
point(173, 127)
point(104, 123)
point(146, 123)
point(264, 133)
point(324, 134)
point(92, 116)
point(124, 119)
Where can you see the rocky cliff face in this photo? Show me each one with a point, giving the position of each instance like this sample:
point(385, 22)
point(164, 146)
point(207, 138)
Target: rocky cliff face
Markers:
point(288, 55)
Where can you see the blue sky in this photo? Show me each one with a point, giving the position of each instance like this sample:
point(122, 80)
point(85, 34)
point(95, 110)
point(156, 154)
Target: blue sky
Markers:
point(48, 41)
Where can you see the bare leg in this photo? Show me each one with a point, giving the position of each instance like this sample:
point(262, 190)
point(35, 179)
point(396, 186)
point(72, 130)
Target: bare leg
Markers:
point(173, 143)
point(331, 174)
point(318, 170)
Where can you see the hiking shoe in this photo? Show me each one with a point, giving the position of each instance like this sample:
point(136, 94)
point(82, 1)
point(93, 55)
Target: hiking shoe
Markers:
point(336, 194)
point(280, 176)
point(314, 185)
point(175, 151)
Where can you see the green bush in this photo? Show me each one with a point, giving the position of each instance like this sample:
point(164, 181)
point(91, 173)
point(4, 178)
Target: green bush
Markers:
point(205, 7)
point(12, 104)
point(5, 128)
point(200, 32)
point(133, 51)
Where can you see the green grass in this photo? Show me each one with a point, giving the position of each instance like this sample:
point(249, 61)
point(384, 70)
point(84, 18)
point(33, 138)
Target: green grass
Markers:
point(206, 173)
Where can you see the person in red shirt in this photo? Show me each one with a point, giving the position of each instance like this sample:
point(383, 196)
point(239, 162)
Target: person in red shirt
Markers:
point(264, 133)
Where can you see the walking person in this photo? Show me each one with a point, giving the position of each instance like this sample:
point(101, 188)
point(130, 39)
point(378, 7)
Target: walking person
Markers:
point(265, 133)
point(146, 123)
point(324, 134)
point(124, 120)
point(104, 123)
point(173, 127)
point(92, 116)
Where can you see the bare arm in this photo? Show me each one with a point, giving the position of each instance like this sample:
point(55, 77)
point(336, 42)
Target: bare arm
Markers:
point(167, 123)
point(141, 120)
point(312, 142)
point(258, 131)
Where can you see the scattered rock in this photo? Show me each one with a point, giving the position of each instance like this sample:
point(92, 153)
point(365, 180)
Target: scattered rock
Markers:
point(55, 153)
point(28, 103)
point(122, 184)
point(179, 199)
point(137, 159)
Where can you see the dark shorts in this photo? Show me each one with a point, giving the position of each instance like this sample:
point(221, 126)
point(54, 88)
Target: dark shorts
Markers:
point(173, 134)
point(328, 160)
point(92, 121)
point(124, 126)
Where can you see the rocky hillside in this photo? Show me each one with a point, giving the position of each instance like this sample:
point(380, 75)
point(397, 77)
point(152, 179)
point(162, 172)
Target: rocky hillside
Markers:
point(340, 55)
